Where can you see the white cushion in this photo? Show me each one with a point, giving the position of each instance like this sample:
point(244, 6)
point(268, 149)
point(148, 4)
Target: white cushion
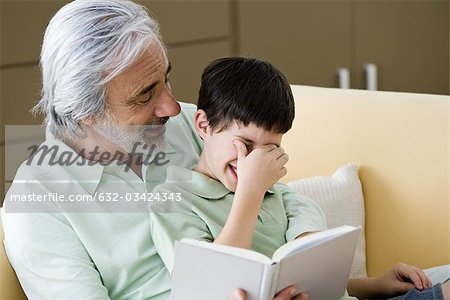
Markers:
point(341, 199)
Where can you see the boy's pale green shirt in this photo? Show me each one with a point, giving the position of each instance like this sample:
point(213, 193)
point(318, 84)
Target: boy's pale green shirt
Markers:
point(105, 252)
point(204, 206)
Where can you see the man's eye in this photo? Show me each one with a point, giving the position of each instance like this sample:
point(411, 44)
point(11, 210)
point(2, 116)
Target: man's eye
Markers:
point(146, 99)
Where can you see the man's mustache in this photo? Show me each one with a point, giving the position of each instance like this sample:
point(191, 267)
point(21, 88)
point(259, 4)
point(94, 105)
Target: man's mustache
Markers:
point(160, 121)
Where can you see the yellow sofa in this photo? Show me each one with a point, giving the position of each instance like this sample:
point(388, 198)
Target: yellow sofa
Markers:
point(399, 140)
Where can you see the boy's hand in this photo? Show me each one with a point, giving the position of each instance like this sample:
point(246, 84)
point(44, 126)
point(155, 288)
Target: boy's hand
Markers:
point(401, 278)
point(260, 169)
point(256, 172)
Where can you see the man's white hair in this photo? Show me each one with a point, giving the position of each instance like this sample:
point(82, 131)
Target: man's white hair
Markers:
point(86, 44)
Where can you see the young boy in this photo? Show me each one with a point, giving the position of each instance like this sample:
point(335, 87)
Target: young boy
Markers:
point(232, 196)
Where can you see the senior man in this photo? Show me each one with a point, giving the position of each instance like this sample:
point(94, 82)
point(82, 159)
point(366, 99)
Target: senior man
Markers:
point(105, 75)
point(112, 128)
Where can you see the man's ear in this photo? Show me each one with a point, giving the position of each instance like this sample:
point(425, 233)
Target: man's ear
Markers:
point(201, 123)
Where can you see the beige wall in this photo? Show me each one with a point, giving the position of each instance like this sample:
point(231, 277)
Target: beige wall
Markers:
point(408, 41)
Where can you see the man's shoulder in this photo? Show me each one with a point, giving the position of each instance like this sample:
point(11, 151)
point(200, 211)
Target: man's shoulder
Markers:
point(186, 115)
point(187, 112)
point(188, 107)
point(181, 133)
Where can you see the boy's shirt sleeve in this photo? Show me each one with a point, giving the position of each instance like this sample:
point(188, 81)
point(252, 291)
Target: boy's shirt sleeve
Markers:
point(172, 221)
point(303, 213)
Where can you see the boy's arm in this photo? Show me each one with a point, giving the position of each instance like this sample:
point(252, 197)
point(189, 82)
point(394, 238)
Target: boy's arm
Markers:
point(240, 226)
point(304, 215)
point(256, 173)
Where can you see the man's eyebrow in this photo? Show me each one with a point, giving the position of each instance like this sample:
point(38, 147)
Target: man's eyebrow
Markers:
point(147, 89)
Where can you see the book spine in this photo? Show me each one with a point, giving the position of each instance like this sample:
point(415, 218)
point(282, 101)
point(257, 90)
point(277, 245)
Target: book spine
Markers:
point(275, 276)
point(266, 282)
point(270, 279)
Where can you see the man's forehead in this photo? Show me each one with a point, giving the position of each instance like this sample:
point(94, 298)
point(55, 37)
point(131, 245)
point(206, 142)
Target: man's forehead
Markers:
point(153, 60)
point(149, 68)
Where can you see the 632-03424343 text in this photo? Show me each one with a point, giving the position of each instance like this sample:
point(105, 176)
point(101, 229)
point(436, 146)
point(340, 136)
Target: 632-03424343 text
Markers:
point(102, 197)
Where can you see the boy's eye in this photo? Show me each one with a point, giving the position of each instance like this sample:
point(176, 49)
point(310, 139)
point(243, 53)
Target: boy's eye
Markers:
point(249, 146)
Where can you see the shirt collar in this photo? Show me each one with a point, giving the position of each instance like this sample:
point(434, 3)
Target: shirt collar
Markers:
point(86, 175)
point(198, 183)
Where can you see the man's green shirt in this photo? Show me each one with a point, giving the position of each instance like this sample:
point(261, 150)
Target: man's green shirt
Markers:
point(98, 249)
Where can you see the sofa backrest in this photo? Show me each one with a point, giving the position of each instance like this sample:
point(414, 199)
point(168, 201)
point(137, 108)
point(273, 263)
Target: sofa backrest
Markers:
point(400, 142)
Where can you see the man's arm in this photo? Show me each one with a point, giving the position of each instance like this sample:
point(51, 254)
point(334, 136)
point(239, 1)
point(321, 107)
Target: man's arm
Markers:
point(49, 258)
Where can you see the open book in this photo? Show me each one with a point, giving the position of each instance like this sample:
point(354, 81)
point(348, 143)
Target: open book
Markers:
point(318, 263)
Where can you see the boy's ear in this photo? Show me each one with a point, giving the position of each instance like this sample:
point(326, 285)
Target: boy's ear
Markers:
point(201, 123)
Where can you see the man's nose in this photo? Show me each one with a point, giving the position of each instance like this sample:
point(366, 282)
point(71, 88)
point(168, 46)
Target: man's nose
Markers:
point(167, 106)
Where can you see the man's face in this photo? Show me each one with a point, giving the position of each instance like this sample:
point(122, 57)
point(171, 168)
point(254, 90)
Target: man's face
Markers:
point(220, 155)
point(141, 95)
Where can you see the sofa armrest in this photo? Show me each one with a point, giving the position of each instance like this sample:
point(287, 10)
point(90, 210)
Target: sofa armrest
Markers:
point(11, 288)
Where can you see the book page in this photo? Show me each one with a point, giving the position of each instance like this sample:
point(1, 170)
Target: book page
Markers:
point(321, 270)
point(202, 273)
point(311, 240)
point(240, 252)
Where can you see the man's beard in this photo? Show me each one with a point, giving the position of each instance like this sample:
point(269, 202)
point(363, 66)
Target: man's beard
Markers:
point(135, 139)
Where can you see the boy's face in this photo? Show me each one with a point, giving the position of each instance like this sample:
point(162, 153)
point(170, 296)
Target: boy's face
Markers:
point(219, 156)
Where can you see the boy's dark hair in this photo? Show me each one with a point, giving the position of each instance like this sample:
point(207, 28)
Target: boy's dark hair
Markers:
point(248, 90)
